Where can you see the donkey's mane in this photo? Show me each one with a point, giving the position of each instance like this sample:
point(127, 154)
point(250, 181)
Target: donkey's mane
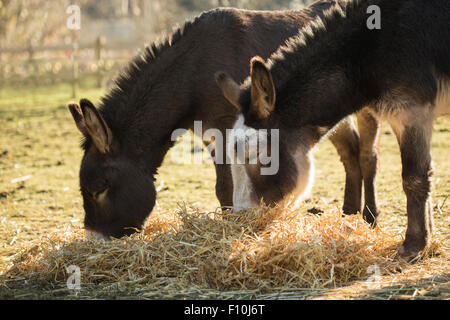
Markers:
point(133, 81)
point(312, 38)
point(133, 85)
point(126, 80)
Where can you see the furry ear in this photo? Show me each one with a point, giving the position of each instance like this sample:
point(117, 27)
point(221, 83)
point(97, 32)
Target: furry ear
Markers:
point(230, 89)
point(263, 92)
point(77, 115)
point(96, 127)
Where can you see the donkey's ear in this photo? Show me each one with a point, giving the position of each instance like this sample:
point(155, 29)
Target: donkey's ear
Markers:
point(263, 92)
point(230, 89)
point(96, 127)
point(77, 115)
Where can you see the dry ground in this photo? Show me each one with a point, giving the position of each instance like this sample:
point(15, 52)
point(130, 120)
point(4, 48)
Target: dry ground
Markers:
point(39, 143)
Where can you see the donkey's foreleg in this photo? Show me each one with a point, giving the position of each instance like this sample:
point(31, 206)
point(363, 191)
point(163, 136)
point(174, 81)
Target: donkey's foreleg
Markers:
point(224, 179)
point(369, 136)
point(224, 186)
point(346, 141)
point(413, 128)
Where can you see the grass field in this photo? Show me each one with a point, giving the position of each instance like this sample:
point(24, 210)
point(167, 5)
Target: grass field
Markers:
point(39, 194)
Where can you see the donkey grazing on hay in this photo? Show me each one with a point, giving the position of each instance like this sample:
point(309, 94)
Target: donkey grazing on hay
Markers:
point(336, 66)
point(167, 88)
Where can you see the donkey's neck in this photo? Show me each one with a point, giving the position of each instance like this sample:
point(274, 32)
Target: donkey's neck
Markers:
point(149, 103)
point(320, 75)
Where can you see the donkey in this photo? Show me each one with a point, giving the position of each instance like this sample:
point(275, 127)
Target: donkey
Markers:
point(335, 67)
point(166, 88)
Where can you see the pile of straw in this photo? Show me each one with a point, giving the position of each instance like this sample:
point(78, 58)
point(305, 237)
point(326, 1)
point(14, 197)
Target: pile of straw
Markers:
point(263, 249)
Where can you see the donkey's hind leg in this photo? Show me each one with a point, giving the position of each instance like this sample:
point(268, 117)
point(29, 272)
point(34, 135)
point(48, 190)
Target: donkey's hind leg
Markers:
point(369, 136)
point(346, 141)
point(413, 128)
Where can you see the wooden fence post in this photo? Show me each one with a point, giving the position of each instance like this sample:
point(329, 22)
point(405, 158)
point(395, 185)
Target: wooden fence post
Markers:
point(32, 68)
point(2, 75)
point(99, 44)
point(74, 71)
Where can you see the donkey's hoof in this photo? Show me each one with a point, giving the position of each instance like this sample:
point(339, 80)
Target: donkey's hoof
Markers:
point(410, 251)
point(350, 210)
point(406, 253)
point(370, 216)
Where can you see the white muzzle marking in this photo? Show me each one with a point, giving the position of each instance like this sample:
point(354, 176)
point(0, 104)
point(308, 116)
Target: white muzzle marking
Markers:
point(242, 185)
point(243, 190)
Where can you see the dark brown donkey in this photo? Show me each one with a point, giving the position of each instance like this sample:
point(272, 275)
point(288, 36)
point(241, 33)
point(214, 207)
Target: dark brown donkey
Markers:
point(338, 65)
point(167, 88)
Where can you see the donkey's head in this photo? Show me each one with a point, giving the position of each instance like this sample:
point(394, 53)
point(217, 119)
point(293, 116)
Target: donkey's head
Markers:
point(264, 133)
point(118, 193)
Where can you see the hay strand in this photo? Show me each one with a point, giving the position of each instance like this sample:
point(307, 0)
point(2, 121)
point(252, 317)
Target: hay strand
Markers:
point(265, 250)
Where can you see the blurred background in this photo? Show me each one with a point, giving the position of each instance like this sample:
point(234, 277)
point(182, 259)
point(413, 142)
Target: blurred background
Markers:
point(46, 61)
point(38, 48)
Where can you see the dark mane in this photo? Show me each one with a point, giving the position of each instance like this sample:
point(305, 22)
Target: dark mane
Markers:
point(135, 82)
point(125, 80)
point(322, 31)
point(342, 30)
point(326, 31)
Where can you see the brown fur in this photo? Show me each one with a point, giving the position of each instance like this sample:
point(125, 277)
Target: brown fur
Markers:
point(337, 65)
point(166, 88)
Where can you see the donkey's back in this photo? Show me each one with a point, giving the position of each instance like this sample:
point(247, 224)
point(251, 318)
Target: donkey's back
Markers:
point(412, 52)
point(244, 32)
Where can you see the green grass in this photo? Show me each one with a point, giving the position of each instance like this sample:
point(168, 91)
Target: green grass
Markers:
point(38, 139)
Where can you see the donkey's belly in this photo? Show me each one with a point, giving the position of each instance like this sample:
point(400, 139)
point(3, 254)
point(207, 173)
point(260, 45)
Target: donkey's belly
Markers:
point(393, 103)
